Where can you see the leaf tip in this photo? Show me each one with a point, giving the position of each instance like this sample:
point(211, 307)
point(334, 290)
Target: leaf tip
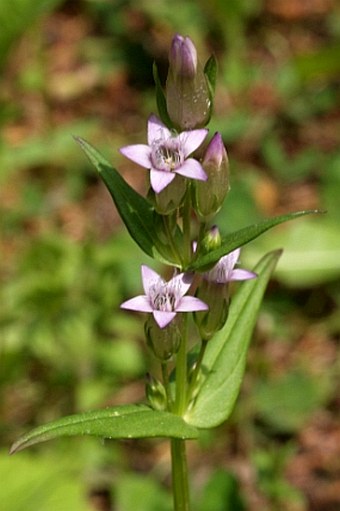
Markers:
point(15, 448)
point(79, 140)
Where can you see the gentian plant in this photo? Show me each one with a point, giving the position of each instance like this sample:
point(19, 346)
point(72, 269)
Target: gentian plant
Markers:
point(201, 367)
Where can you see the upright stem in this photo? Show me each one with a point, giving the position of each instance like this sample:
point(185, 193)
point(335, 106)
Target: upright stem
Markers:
point(181, 372)
point(180, 484)
point(186, 211)
point(180, 481)
point(166, 382)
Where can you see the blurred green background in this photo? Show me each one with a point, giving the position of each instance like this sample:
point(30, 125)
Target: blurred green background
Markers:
point(85, 68)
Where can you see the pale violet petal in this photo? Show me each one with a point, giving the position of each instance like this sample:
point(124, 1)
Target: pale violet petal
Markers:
point(157, 130)
point(232, 258)
point(240, 274)
point(191, 303)
point(163, 318)
point(150, 278)
point(138, 303)
point(226, 264)
point(182, 282)
point(160, 179)
point(193, 169)
point(139, 153)
point(191, 140)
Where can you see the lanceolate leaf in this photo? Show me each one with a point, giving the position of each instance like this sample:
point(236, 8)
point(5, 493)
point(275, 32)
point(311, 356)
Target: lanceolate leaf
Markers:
point(210, 70)
point(160, 99)
point(225, 358)
point(136, 212)
point(129, 421)
point(238, 238)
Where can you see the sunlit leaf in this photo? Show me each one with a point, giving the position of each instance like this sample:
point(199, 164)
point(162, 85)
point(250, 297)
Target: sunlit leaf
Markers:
point(129, 421)
point(136, 212)
point(238, 238)
point(225, 359)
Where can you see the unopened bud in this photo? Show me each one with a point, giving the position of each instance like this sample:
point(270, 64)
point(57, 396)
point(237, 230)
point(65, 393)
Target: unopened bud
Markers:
point(211, 240)
point(217, 297)
point(209, 195)
point(183, 56)
point(163, 342)
point(187, 91)
point(171, 197)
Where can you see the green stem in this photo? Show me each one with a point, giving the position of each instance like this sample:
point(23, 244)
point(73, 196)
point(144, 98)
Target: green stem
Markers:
point(196, 371)
point(180, 481)
point(166, 383)
point(180, 484)
point(181, 371)
point(186, 211)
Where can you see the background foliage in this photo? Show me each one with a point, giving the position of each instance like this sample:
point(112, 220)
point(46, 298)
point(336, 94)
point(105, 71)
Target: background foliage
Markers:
point(85, 68)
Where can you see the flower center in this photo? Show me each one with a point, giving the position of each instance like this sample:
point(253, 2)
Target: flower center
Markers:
point(220, 273)
point(163, 297)
point(167, 155)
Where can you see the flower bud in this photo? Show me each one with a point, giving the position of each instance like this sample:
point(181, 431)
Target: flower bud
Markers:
point(155, 393)
point(187, 91)
point(209, 195)
point(183, 56)
point(211, 240)
point(217, 297)
point(163, 342)
point(214, 291)
point(171, 197)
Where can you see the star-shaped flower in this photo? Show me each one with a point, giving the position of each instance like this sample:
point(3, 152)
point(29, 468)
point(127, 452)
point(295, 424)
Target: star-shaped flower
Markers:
point(224, 270)
point(164, 299)
point(167, 154)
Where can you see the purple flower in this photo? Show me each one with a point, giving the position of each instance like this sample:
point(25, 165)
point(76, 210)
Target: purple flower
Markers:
point(224, 271)
point(188, 95)
point(167, 154)
point(209, 196)
point(164, 299)
point(183, 56)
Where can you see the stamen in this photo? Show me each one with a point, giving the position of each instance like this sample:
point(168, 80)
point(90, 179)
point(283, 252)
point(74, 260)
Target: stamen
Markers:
point(163, 298)
point(167, 154)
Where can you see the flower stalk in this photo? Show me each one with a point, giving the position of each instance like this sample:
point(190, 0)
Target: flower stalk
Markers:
point(181, 184)
point(197, 381)
point(180, 476)
point(187, 90)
